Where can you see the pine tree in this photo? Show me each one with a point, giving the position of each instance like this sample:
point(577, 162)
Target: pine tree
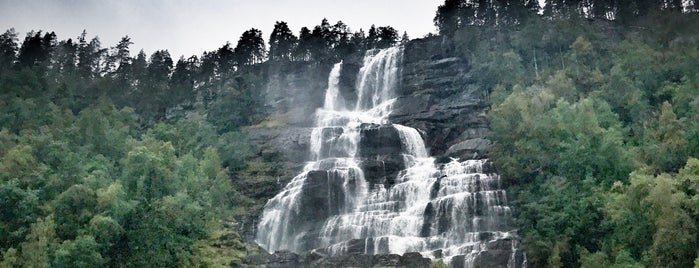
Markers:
point(8, 48)
point(448, 18)
point(250, 48)
point(281, 42)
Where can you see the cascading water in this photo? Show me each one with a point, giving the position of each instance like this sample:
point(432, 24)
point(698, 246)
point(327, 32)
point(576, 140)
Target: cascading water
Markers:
point(372, 187)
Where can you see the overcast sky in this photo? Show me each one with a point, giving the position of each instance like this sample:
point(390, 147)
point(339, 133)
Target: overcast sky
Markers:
point(188, 27)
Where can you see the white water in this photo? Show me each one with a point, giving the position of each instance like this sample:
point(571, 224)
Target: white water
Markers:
point(430, 208)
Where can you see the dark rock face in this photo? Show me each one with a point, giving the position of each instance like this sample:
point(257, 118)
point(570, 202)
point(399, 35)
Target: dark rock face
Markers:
point(437, 96)
point(325, 196)
point(413, 260)
point(348, 78)
point(284, 259)
point(293, 143)
point(329, 137)
point(382, 169)
point(296, 89)
point(499, 255)
point(376, 140)
point(379, 151)
point(473, 148)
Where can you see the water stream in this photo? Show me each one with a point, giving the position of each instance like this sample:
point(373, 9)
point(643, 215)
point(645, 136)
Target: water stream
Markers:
point(373, 188)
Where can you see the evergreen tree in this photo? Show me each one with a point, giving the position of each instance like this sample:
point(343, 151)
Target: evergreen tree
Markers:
point(387, 37)
point(372, 38)
point(90, 56)
point(282, 42)
point(183, 80)
point(485, 12)
point(250, 48)
point(119, 56)
point(65, 58)
point(155, 94)
point(358, 40)
point(8, 48)
point(405, 38)
point(36, 50)
point(225, 60)
point(305, 45)
point(448, 18)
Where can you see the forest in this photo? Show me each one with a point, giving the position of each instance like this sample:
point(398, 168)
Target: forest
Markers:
point(109, 159)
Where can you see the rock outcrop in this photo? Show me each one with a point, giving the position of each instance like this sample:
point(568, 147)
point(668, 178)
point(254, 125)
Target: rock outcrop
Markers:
point(436, 95)
point(285, 259)
point(296, 89)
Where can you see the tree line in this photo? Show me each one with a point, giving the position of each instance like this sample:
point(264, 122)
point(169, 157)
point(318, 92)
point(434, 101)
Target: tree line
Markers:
point(153, 84)
point(456, 14)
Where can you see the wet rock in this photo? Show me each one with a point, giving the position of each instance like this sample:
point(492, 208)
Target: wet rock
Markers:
point(500, 254)
point(258, 259)
point(349, 260)
point(387, 260)
point(379, 140)
point(469, 149)
point(438, 95)
point(323, 196)
point(296, 89)
point(382, 169)
point(413, 260)
point(283, 259)
point(329, 143)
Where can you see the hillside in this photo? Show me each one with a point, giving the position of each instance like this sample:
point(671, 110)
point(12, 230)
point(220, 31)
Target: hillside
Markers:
point(591, 120)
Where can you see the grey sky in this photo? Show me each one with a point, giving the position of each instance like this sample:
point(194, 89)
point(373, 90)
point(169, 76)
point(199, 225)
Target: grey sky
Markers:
point(187, 27)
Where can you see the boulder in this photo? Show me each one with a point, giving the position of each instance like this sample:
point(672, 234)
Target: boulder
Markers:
point(283, 259)
point(500, 254)
point(413, 260)
point(323, 196)
point(378, 140)
point(387, 260)
point(469, 149)
point(382, 169)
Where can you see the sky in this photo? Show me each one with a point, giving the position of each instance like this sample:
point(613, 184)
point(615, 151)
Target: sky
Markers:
point(189, 27)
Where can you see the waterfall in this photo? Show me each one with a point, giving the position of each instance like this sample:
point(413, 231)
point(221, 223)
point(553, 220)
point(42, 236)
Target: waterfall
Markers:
point(372, 187)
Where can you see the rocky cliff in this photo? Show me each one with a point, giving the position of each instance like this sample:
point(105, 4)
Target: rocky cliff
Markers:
point(436, 95)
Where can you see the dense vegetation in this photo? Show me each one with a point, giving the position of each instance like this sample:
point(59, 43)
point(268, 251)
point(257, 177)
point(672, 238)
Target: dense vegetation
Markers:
point(109, 159)
point(595, 119)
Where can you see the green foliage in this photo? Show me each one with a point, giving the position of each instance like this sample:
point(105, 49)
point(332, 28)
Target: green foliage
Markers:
point(651, 218)
point(82, 252)
point(40, 244)
point(73, 209)
point(149, 170)
point(574, 140)
point(250, 48)
point(166, 231)
point(240, 104)
point(96, 188)
point(9, 259)
point(438, 264)
point(598, 148)
point(18, 209)
point(667, 140)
